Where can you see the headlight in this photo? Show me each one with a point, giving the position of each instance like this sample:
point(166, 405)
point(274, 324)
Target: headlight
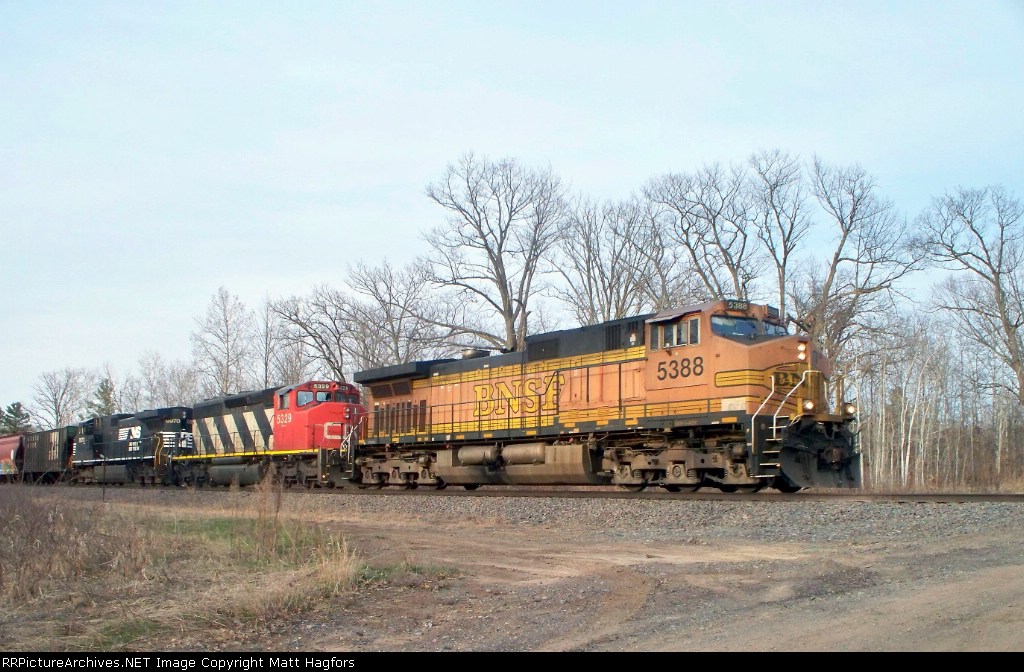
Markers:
point(850, 409)
point(801, 346)
point(808, 405)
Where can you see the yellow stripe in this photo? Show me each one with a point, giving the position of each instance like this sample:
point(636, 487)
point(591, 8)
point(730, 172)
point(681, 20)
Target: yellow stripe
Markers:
point(543, 366)
point(258, 453)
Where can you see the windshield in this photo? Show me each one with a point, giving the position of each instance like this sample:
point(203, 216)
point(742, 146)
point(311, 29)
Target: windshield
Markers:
point(774, 329)
point(723, 325)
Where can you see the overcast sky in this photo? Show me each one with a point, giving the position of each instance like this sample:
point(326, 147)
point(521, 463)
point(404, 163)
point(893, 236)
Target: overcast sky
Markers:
point(151, 152)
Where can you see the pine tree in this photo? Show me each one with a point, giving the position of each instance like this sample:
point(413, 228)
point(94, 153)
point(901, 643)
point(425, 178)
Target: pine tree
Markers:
point(103, 403)
point(15, 420)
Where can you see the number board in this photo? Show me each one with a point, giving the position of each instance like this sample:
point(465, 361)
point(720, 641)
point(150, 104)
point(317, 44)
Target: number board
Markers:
point(734, 304)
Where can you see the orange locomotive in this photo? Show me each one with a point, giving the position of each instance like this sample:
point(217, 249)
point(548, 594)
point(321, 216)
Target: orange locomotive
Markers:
point(718, 394)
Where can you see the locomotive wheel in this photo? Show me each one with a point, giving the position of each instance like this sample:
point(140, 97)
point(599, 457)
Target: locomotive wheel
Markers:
point(441, 485)
point(412, 485)
point(785, 486)
point(634, 487)
point(471, 486)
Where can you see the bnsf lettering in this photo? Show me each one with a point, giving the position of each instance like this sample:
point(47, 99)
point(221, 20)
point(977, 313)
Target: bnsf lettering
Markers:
point(517, 396)
point(785, 379)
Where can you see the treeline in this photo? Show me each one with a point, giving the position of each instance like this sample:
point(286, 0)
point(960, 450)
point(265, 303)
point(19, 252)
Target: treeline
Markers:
point(937, 367)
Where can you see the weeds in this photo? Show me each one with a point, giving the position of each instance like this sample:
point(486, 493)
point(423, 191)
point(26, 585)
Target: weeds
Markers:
point(44, 539)
point(96, 576)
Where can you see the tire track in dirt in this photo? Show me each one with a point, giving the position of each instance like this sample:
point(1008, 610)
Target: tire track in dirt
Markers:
point(630, 592)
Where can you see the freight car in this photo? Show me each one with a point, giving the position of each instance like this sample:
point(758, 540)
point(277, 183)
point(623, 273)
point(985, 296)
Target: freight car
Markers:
point(718, 394)
point(46, 456)
point(12, 458)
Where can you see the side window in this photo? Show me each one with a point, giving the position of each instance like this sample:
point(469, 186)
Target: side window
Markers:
point(670, 336)
point(323, 396)
point(683, 332)
point(284, 401)
point(304, 397)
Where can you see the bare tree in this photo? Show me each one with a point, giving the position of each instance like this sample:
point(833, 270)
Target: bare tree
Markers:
point(603, 261)
point(293, 363)
point(320, 322)
point(869, 255)
point(709, 214)
point(397, 321)
point(61, 395)
point(280, 359)
point(668, 276)
point(779, 208)
point(503, 221)
point(980, 232)
point(222, 346)
point(266, 343)
point(164, 384)
point(126, 391)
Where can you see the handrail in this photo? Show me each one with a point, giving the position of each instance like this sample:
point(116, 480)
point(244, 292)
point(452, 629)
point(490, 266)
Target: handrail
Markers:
point(346, 443)
point(763, 403)
point(775, 417)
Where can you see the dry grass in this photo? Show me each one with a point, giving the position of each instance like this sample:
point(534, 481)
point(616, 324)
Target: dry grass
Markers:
point(99, 576)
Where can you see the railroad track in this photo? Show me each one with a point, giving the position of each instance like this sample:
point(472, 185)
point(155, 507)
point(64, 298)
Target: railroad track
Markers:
point(601, 492)
point(908, 498)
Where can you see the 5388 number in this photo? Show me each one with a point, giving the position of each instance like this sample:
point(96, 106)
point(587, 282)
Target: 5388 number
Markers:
point(683, 368)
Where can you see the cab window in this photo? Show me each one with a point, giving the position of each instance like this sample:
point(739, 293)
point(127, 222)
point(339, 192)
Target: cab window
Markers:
point(304, 397)
point(284, 401)
point(774, 329)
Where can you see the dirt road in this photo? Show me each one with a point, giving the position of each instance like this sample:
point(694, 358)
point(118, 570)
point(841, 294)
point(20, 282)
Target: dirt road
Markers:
point(934, 579)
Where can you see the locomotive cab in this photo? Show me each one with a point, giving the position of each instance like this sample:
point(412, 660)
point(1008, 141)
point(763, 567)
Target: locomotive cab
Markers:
point(316, 415)
point(764, 385)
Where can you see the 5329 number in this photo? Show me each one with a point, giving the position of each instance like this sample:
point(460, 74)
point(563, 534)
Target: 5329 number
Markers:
point(683, 368)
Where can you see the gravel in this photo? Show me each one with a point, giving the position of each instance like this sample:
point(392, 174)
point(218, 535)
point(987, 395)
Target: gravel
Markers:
point(691, 520)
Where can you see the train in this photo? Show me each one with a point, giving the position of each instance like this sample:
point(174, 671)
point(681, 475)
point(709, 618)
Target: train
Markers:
point(304, 434)
point(715, 395)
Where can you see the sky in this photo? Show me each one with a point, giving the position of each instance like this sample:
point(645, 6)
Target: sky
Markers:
point(152, 152)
